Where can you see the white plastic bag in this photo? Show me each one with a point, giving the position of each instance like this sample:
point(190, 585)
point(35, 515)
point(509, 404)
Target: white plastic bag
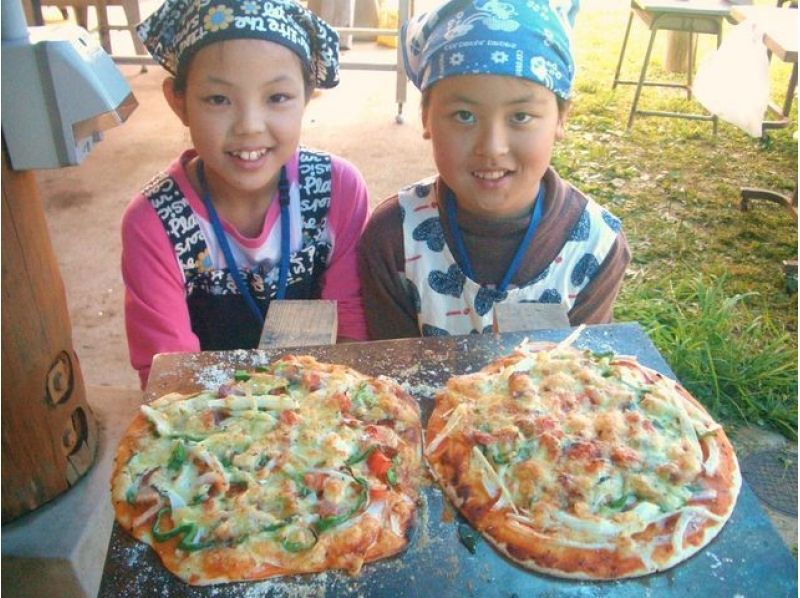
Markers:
point(733, 82)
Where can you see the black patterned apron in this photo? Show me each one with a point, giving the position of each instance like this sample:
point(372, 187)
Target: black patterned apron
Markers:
point(219, 315)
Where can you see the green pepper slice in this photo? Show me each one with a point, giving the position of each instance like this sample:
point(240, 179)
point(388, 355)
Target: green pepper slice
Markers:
point(365, 395)
point(177, 457)
point(188, 545)
point(326, 523)
point(359, 457)
point(276, 526)
point(187, 437)
point(302, 489)
point(620, 503)
point(391, 477)
point(163, 536)
point(299, 539)
point(130, 494)
point(499, 457)
point(189, 531)
point(391, 474)
point(496, 455)
point(241, 376)
point(525, 451)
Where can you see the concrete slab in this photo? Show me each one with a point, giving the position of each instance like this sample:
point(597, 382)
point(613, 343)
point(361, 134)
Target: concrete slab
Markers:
point(60, 548)
point(751, 439)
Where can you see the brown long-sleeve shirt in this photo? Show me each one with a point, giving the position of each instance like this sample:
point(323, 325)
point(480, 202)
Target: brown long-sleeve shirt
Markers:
point(491, 245)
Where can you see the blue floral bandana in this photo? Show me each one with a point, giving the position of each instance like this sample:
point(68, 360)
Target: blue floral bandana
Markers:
point(179, 28)
point(528, 39)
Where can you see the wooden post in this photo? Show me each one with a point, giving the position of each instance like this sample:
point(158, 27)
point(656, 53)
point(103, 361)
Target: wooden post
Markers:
point(49, 433)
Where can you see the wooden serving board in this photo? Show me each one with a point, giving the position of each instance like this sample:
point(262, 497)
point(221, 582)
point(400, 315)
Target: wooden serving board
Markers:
point(748, 558)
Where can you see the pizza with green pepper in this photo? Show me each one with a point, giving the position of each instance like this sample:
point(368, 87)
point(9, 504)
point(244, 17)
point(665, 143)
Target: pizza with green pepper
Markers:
point(582, 464)
point(295, 467)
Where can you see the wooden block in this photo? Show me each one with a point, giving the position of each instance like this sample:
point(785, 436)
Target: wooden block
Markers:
point(297, 323)
point(518, 317)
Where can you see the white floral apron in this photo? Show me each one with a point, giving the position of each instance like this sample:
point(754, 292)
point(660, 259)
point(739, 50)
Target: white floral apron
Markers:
point(448, 302)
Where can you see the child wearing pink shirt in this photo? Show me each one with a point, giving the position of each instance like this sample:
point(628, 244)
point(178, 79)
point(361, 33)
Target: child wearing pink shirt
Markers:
point(247, 215)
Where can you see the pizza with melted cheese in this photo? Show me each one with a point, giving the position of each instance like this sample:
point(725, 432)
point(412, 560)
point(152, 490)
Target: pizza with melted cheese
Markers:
point(581, 464)
point(295, 467)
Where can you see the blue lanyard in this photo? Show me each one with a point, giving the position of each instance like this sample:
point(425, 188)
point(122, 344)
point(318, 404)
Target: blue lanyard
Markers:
point(461, 250)
point(222, 239)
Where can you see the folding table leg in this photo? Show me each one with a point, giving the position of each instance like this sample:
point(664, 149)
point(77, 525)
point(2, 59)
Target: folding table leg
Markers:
point(641, 78)
point(787, 103)
point(715, 118)
point(132, 18)
point(404, 11)
point(102, 26)
point(622, 51)
point(400, 89)
point(82, 16)
point(690, 65)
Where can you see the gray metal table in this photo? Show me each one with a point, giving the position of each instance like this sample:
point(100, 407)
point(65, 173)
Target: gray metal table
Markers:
point(691, 16)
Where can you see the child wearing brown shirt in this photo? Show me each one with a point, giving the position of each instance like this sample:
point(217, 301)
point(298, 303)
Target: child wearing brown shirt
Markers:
point(497, 224)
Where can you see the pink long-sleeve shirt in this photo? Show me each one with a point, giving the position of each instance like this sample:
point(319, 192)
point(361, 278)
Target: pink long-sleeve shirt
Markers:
point(156, 313)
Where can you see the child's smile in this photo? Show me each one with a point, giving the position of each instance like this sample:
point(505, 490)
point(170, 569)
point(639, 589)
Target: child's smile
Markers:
point(249, 155)
point(492, 178)
point(492, 137)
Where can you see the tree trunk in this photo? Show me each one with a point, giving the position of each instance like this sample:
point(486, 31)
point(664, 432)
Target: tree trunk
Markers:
point(677, 55)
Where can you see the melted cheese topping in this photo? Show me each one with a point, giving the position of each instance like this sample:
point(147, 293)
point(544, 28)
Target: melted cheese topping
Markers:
point(274, 461)
point(588, 449)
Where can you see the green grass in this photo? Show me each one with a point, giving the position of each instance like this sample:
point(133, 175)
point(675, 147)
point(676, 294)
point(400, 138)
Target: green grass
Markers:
point(706, 280)
point(723, 347)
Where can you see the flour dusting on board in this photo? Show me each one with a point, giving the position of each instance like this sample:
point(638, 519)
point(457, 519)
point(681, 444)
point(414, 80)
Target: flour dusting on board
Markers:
point(213, 376)
point(420, 391)
point(312, 586)
point(134, 555)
